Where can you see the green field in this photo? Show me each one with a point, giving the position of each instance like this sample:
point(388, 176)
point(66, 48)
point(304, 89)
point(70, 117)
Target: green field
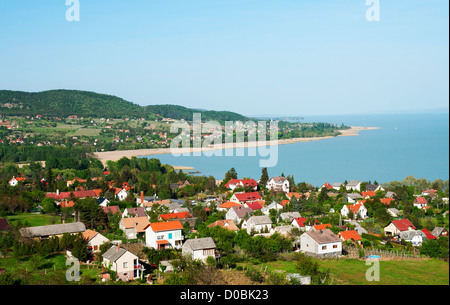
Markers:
point(353, 272)
point(33, 220)
point(405, 272)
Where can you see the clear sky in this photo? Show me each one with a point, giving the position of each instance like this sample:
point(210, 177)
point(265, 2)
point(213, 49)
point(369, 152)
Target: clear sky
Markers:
point(255, 57)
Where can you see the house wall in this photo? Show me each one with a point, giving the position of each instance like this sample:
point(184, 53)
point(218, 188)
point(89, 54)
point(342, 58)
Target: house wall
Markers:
point(391, 229)
point(309, 246)
point(124, 272)
point(174, 237)
point(97, 241)
point(258, 228)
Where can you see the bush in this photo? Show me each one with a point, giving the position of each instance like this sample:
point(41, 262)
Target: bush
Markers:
point(254, 275)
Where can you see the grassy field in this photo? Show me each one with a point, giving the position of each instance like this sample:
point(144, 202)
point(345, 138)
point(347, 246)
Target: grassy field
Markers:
point(353, 272)
point(405, 272)
point(33, 220)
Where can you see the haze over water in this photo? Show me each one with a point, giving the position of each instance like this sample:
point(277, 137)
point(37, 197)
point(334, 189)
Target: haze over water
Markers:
point(405, 144)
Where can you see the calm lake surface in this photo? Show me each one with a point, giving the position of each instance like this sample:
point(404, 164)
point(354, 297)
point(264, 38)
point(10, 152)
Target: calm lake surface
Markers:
point(406, 144)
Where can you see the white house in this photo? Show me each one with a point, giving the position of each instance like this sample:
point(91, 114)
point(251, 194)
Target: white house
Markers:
point(238, 213)
point(420, 202)
point(278, 184)
point(353, 186)
point(123, 262)
point(321, 243)
point(14, 181)
point(416, 237)
point(121, 194)
point(398, 226)
point(289, 216)
point(358, 210)
point(134, 227)
point(259, 224)
point(337, 186)
point(199, 248)
point(95, 240)
point(161, 235)
point(103, 202)
point(353, 197)
point(274, 205)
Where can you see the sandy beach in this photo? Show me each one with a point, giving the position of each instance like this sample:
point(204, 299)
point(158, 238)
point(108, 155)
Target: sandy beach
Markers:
point(116, 155)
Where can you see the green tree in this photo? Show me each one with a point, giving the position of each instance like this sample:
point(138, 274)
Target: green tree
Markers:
point(264, 177)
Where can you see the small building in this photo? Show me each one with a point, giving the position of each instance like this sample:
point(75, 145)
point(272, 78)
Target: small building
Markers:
point(134, 227)
point(353, 197)
point(226, 206)
point(353, 186)
point(226, 224)
point(238, 213)
point(134, 212)
point(395, 227)
point(242, 198)
point(289, 216)
point(273, 206)
point(199, 248)
point(278, 184)
point(123, 262)
point(350, 235)
point(95, 240)
point(57, 230)
point(259, 224)
point(439, 232)
point(321, 243)
point(358, 210)
point(420, 202)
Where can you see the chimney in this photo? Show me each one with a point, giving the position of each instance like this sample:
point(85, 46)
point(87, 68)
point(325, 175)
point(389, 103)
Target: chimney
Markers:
point(118, 247)
point(142, 197)
point(57, 192)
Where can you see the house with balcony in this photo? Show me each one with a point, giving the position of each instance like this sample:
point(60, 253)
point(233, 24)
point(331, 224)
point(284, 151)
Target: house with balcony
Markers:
point(123, 262)
point(162, 235)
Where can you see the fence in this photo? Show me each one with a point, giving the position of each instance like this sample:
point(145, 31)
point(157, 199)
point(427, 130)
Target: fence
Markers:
point(384, 254)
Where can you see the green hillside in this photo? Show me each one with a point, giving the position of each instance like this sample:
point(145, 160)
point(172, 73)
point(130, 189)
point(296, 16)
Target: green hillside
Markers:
point(62, 103)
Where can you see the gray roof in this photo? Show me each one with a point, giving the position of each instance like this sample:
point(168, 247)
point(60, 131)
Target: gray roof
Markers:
point(284, 229)
point(290, 215)
point(337, 184)
point(58, 229)
point(199, 243)
point(260, 220)
point(371, 187)
point(408, 235)
point(241, 211)
point(323, 236)
point(437, 231)
point(390, 194)
point(354, 196)
point(114, 253)
point(353, 183)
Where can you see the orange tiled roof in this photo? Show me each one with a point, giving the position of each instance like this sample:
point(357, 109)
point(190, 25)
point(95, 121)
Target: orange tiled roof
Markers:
point(89, 234)
point(166, 226)
point(228, 205)
point(322, 226)
point(351, 234)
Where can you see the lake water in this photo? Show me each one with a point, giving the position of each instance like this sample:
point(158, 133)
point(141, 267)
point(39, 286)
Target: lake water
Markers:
point(407, 144)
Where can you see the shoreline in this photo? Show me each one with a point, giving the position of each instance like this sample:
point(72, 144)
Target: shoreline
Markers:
point(118, 154)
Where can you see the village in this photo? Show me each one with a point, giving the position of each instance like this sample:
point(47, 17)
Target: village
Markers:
point(139, 234)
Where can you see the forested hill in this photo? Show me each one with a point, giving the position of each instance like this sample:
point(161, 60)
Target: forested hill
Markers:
point(63, 103)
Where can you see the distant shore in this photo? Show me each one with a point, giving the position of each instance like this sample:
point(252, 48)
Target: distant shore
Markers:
point(118, 154)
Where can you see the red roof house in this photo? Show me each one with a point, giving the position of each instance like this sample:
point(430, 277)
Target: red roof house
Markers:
point(244, 197)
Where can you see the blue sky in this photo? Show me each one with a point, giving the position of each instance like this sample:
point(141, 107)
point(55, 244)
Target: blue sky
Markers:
point(255, 57)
